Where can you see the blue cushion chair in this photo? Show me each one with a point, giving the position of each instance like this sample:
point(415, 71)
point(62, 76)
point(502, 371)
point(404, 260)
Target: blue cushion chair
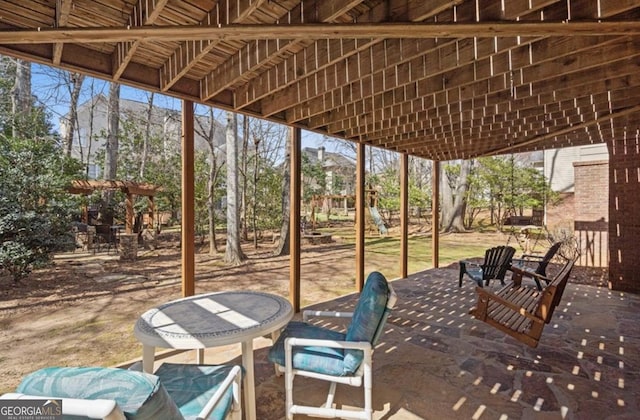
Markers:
point(307, 350)
point(174, 392)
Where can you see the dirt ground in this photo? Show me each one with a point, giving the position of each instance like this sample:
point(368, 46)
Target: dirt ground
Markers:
point(81, 310)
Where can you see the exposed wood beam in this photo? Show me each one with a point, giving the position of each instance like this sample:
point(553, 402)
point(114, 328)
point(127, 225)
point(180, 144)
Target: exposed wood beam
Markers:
point(376, 128)
point(529, 142)
point(542, 105)
point(467, 74)
point(317, 31)
point(259, 52)
point(321, 55)
point(144, 13)
point(190, 52)
point(63, 10)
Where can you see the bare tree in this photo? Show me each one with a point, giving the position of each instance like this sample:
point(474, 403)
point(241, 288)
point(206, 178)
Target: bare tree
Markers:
point(208, 133)
point(21, 98)
point(233, 253)
point(244, 171)
point(454, 192)
point(282, 248)
point(111, 149)
point(75, 87)
point(147, 135)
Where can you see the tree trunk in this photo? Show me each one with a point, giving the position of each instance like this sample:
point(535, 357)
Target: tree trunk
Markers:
point(21, 99)
point(454, 200)
point(233, 253)
point(146, 140)
point(75, 86)
point(254, 218)
point(282, 248)
point(245, 164)
point(111, 149)
point(214, 171)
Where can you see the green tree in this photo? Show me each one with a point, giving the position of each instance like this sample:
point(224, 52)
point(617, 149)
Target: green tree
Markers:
point(505, 185)
point(314, 179)
point(35, 208)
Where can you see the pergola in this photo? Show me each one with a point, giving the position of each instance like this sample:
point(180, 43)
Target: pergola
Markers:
point(129, 188)
point(437, 79)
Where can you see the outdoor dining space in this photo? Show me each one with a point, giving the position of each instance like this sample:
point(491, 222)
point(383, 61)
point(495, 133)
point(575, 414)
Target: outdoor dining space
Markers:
point(435, 361)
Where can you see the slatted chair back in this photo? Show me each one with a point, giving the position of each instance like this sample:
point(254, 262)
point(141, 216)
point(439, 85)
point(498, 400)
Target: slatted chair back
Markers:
point(546, 259)
point(496, 262)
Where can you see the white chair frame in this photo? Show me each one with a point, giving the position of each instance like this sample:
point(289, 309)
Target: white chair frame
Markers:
point(109, 410)
point(362, 375)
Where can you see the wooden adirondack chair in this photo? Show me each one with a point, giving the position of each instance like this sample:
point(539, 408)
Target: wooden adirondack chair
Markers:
point(496, 263)
point(524, 266)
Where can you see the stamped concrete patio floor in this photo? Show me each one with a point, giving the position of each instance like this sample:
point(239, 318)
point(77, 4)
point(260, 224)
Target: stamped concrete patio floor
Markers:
point(434, 361)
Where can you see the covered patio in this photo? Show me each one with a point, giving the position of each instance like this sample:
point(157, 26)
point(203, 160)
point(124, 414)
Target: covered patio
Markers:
point(439, 80)
point(434, 361)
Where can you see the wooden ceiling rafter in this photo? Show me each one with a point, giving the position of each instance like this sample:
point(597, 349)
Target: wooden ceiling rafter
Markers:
point(63, 11)
point(251, 57)
point(144, 13)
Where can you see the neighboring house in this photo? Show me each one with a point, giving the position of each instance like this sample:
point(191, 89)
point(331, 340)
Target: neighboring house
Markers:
point(559, 164)
point(339, 170)
point(581, 176)
point(90, 134)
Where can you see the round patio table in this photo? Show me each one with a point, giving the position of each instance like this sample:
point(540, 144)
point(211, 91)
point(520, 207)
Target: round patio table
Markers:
point(212, 320)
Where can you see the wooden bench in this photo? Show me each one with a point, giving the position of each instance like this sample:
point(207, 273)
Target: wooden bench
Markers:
point(521, 312)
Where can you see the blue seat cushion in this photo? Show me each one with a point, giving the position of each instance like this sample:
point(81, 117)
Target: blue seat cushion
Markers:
point(191, 387)
point(139, 395)
point(324, 360)
point(368, 316)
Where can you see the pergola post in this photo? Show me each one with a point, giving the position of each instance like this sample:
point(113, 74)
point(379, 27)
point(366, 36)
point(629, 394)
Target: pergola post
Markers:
point(404, 215)
point(360, 188)
point(151, 214)
point(188, 200)
point(129, 216)
point(435, 214)
point(294, 219)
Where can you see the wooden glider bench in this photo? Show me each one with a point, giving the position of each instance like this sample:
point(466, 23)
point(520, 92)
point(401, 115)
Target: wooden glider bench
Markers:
point(521, 312)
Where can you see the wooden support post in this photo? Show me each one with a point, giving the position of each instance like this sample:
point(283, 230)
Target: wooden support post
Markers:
point(294, 220)
point(435, 213)
point(129, 216)
point(360, 222)
point(404, 215)
point(151, 214)
point(188, 200)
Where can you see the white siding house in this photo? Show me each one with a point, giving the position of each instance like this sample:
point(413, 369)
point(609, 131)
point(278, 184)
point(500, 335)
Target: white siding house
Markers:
point(558, 164)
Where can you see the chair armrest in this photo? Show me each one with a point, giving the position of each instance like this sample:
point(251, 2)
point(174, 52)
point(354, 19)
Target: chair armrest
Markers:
point(531, 274)
point(354, 345)
point(309, 314)
point(233, 379)
point(467, 262)
point(93, 409)
point(532, 257)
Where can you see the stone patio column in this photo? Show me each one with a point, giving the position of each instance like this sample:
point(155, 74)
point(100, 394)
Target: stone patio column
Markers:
point(128, 246)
